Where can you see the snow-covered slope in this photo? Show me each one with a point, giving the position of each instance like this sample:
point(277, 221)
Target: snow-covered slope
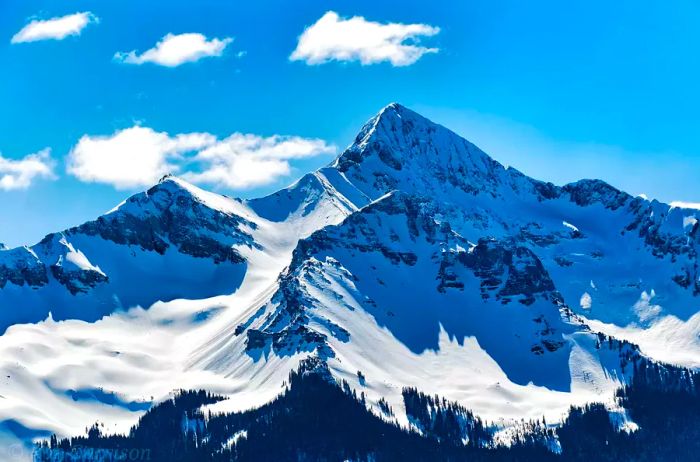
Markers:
point(413, 260)
point(393, 298)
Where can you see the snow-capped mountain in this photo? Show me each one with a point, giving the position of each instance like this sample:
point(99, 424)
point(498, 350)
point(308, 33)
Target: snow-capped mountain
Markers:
point(162, 244)
point(414, 261)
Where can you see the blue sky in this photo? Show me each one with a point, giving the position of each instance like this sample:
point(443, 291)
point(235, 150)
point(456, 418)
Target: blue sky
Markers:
point(559, 90)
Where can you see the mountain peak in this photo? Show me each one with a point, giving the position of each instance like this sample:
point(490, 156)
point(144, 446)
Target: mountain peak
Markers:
point(392, 128)
point(172, 182)
point(401, 149)
point(389, 118)
point(393, 109)
point(394, 114)
point(173, 185)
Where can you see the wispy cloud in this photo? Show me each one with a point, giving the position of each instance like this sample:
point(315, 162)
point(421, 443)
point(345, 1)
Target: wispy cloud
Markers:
point(20, 173)
point(686, 205)
point(357, 39)
point(56, 28)
point(174, 50)
point(138, 156)
point(242, 161)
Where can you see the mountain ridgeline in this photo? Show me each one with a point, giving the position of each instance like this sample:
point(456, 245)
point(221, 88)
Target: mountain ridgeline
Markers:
point(413, 300)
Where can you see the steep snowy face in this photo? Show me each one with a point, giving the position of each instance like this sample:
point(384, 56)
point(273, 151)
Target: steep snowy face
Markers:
point(171, 241)
point(415, 277)
point(399, 149)
point(318, 199)
point(603, 248)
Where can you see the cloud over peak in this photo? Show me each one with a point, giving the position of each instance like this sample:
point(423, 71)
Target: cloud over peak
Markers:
point(174, 50)
point(19, 174)
point(138, 156)
point(56, 28)
point(245, 160)
point(132, 157)
point(333, 38)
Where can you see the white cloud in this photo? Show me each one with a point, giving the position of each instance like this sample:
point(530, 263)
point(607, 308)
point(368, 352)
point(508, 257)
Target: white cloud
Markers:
point(356, 39)
point(19, 174)
point(132, 157)
point(174, 50)
point(138, 156)
point(685, 205)
point(55, 28)
point(242, 161)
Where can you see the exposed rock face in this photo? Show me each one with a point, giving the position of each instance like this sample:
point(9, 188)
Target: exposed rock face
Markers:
point(588, 192)
point(21, 267)
point(286, 329)
point(69, 266)
point(77, 281)
point(363, 232)
point(52, 256)
point(168, 215)
point(507, 270)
